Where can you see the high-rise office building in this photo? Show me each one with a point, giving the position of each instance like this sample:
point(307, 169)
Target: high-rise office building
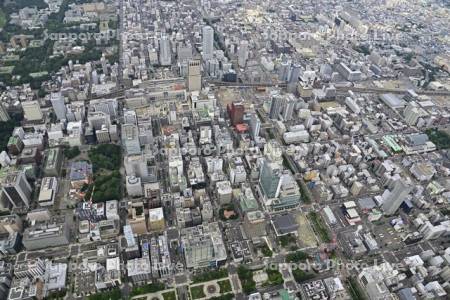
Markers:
point(270, 179)
point(288, 105)
point(53, 163)
point(203, 246)
point(5, 160)
point(108, 106)
point(289, 195)
point(57, 100)
point(76, 111)
point(184, 52)
point(136, 165)
point(392, 199)
point(165, 55)
point(294, 73)
point(104, 65)
point(279, 188)
point(283, 71)
point(130, 139)
point(31, 268)
point(4, 116)
point(275, 106)
point(208, 42)
point(194, 76)
point(52, 233)
point(146, 131)
point(103, 135)
point(413, 112)
point(236, 112)
point(17, 189)
point(99, 119)
point(15, 145)
point(255, 125)
point(129, 117)
point(47, 194)
point(156, 221)
point(134, 186)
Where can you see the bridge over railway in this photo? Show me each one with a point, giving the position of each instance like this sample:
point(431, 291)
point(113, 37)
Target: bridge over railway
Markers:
point(339, 89)
point(375, 90)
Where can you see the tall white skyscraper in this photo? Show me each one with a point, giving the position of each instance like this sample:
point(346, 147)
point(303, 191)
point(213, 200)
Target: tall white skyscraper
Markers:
point(394, 198)
point(243, 54)
point(104, 65)
point(165, 55)
point(287, 110)
point(208, 42)
point(95, 77)
point(255, 125)
point(57, 100)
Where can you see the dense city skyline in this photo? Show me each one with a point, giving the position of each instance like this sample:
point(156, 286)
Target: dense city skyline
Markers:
point(224, 149)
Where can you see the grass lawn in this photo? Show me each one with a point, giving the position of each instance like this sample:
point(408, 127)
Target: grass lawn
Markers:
point(225, 286)
point(197, 292)
point(223, 297)
point(148, 288)
point(210, 275)
point(169, 295)
point(106, 295)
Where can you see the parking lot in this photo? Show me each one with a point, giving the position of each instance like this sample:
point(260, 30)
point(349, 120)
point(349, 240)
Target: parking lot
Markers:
point(84, 283)
point(307, 237)
point(386, 236)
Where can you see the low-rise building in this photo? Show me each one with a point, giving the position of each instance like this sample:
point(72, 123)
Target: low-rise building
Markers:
point(52, 233)
point(49, 189)
point(203, 246)
point(80, 174)
point(156, 220)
